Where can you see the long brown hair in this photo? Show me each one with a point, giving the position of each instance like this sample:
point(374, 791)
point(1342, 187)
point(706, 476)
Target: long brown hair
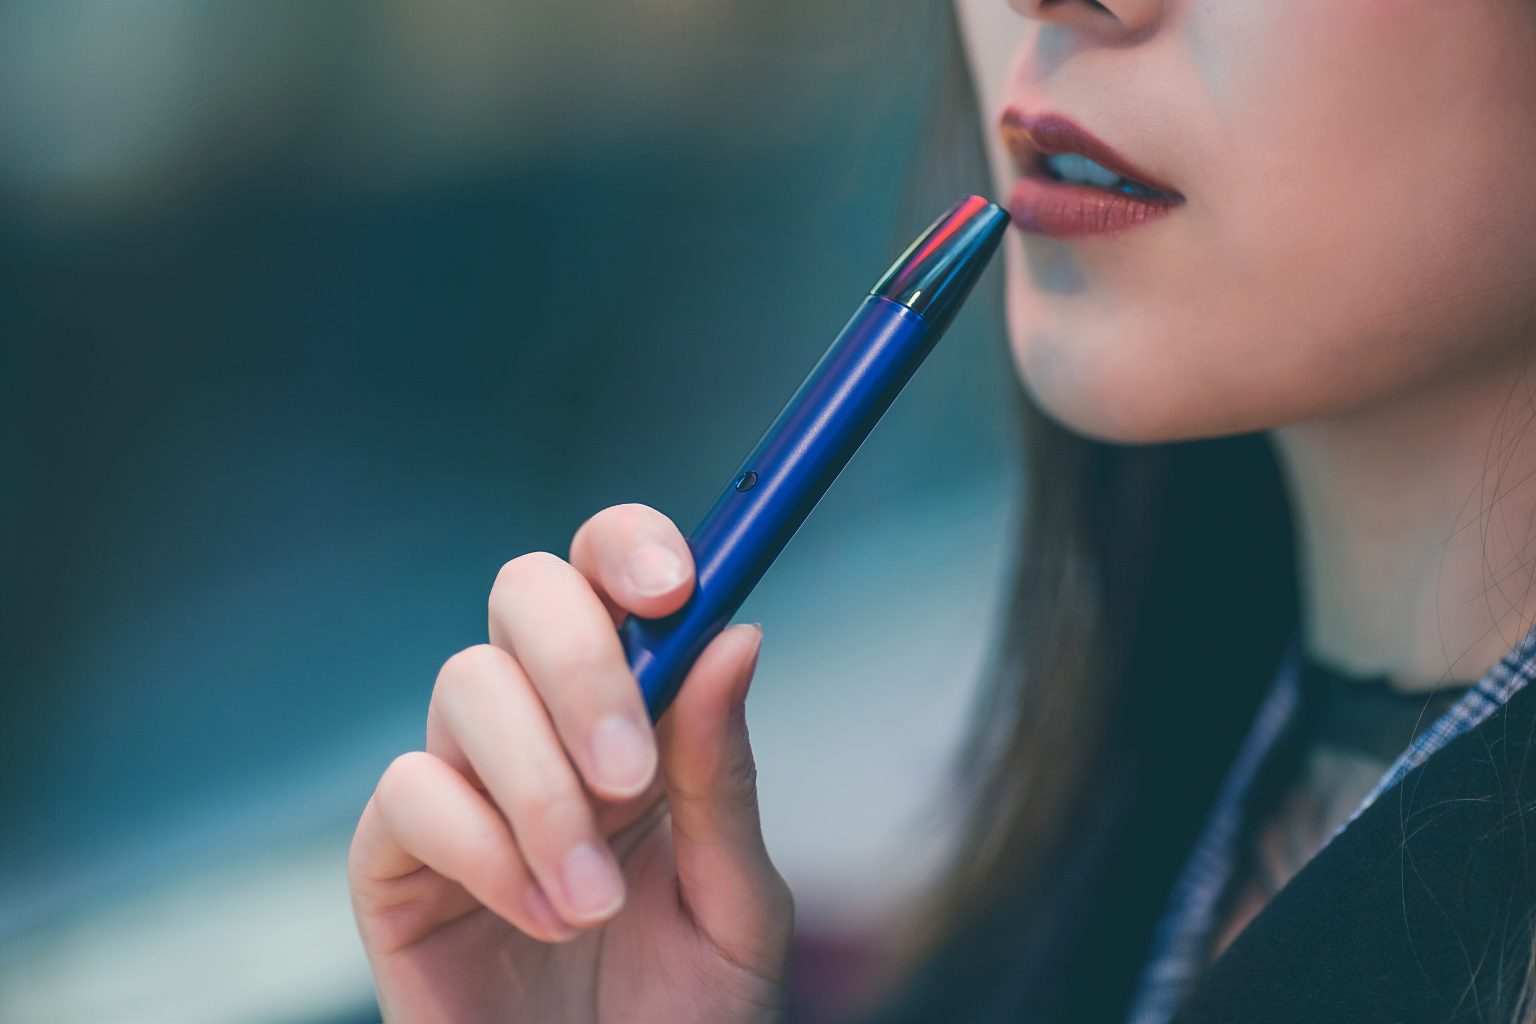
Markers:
point(1153, 591)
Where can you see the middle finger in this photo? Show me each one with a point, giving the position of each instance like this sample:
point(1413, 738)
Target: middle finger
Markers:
point(544, 611)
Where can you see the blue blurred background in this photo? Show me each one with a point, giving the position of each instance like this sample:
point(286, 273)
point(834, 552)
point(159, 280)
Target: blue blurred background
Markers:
point(314, 314)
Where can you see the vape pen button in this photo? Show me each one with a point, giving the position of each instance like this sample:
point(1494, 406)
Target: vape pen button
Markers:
point(746, 480)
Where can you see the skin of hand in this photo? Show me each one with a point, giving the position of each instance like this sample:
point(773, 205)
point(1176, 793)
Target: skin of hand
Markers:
point(478, 867)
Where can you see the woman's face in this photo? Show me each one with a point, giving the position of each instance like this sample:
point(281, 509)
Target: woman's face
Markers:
point(1359, 215)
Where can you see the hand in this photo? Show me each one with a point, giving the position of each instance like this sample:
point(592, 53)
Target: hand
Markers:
point(550, 856)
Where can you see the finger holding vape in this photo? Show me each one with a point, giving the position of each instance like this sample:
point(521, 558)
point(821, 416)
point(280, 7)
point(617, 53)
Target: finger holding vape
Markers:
point(636, 559)
point(547, 614)
point(565, 837)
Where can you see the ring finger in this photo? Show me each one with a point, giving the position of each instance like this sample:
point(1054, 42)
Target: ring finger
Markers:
point(486, 713)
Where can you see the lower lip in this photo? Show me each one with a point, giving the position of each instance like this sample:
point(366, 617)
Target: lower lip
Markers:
point(1045, 206)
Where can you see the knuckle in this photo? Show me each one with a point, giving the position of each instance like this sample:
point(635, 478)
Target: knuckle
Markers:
point(740, 779)
point(467, 675)
point(476, 660)
point(547, 805)
point(484, 854)
point(519, 570)
point(400, 776)
point(734, 788)
point(584, 658)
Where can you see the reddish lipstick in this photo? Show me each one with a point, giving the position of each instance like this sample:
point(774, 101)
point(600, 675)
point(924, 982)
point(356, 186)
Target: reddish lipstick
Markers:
point(1043, 203)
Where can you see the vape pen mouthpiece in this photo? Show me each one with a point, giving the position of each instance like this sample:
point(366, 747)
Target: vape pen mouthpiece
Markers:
point(933, 277)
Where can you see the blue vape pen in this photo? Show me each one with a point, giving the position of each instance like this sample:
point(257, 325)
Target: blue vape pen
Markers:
point(813, 438)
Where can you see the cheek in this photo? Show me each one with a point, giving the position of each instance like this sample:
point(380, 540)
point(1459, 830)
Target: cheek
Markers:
point(1118, 363)
point(1181, 365)
point(1381, 207)
point(1356, 226)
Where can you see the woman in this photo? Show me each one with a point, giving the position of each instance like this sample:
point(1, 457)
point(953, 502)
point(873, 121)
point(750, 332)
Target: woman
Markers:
point(1257, 745)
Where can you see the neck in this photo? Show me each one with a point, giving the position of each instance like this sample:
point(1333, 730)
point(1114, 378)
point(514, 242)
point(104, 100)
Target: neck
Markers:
point(1414, 521)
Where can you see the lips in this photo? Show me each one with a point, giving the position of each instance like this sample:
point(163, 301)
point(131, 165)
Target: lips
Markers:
point(1032, 137)
point(1045, 204)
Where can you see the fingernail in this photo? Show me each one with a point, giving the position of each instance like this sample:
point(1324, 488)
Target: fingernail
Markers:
point(544, 915)
point(592, 882)
point(622, 756)
point(654, 569)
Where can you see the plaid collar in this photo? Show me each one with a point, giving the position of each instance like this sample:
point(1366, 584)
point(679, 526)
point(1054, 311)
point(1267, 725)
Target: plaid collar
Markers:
point(1183, 934)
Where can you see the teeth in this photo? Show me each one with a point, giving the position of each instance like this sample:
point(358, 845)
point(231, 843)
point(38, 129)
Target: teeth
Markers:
point(1077, 168)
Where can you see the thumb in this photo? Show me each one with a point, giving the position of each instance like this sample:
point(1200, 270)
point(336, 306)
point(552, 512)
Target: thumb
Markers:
point(727, 881)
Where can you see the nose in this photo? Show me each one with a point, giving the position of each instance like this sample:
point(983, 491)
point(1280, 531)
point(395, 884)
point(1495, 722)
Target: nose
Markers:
point(1120, 16)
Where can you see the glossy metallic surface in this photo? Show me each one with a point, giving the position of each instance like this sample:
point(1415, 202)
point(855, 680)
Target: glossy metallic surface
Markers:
point(935, 275)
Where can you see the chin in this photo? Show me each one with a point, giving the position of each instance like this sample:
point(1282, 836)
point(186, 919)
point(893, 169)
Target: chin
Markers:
point(1106, 399)
point(1109, 397)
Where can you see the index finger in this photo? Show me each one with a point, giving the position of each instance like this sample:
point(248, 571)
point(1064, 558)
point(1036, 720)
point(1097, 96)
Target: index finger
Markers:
point(636, 560)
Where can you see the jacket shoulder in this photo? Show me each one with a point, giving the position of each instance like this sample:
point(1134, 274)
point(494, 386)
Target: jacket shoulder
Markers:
point(1420, 910)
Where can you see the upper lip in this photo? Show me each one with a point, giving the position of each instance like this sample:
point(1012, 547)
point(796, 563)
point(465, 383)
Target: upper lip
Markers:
point(1029, 137)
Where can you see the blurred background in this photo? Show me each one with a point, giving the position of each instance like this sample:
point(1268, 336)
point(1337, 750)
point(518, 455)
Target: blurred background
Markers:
point(314, 314)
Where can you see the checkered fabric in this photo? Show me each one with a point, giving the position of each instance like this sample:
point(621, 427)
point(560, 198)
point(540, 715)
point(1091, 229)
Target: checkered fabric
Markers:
point(1182, 937)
